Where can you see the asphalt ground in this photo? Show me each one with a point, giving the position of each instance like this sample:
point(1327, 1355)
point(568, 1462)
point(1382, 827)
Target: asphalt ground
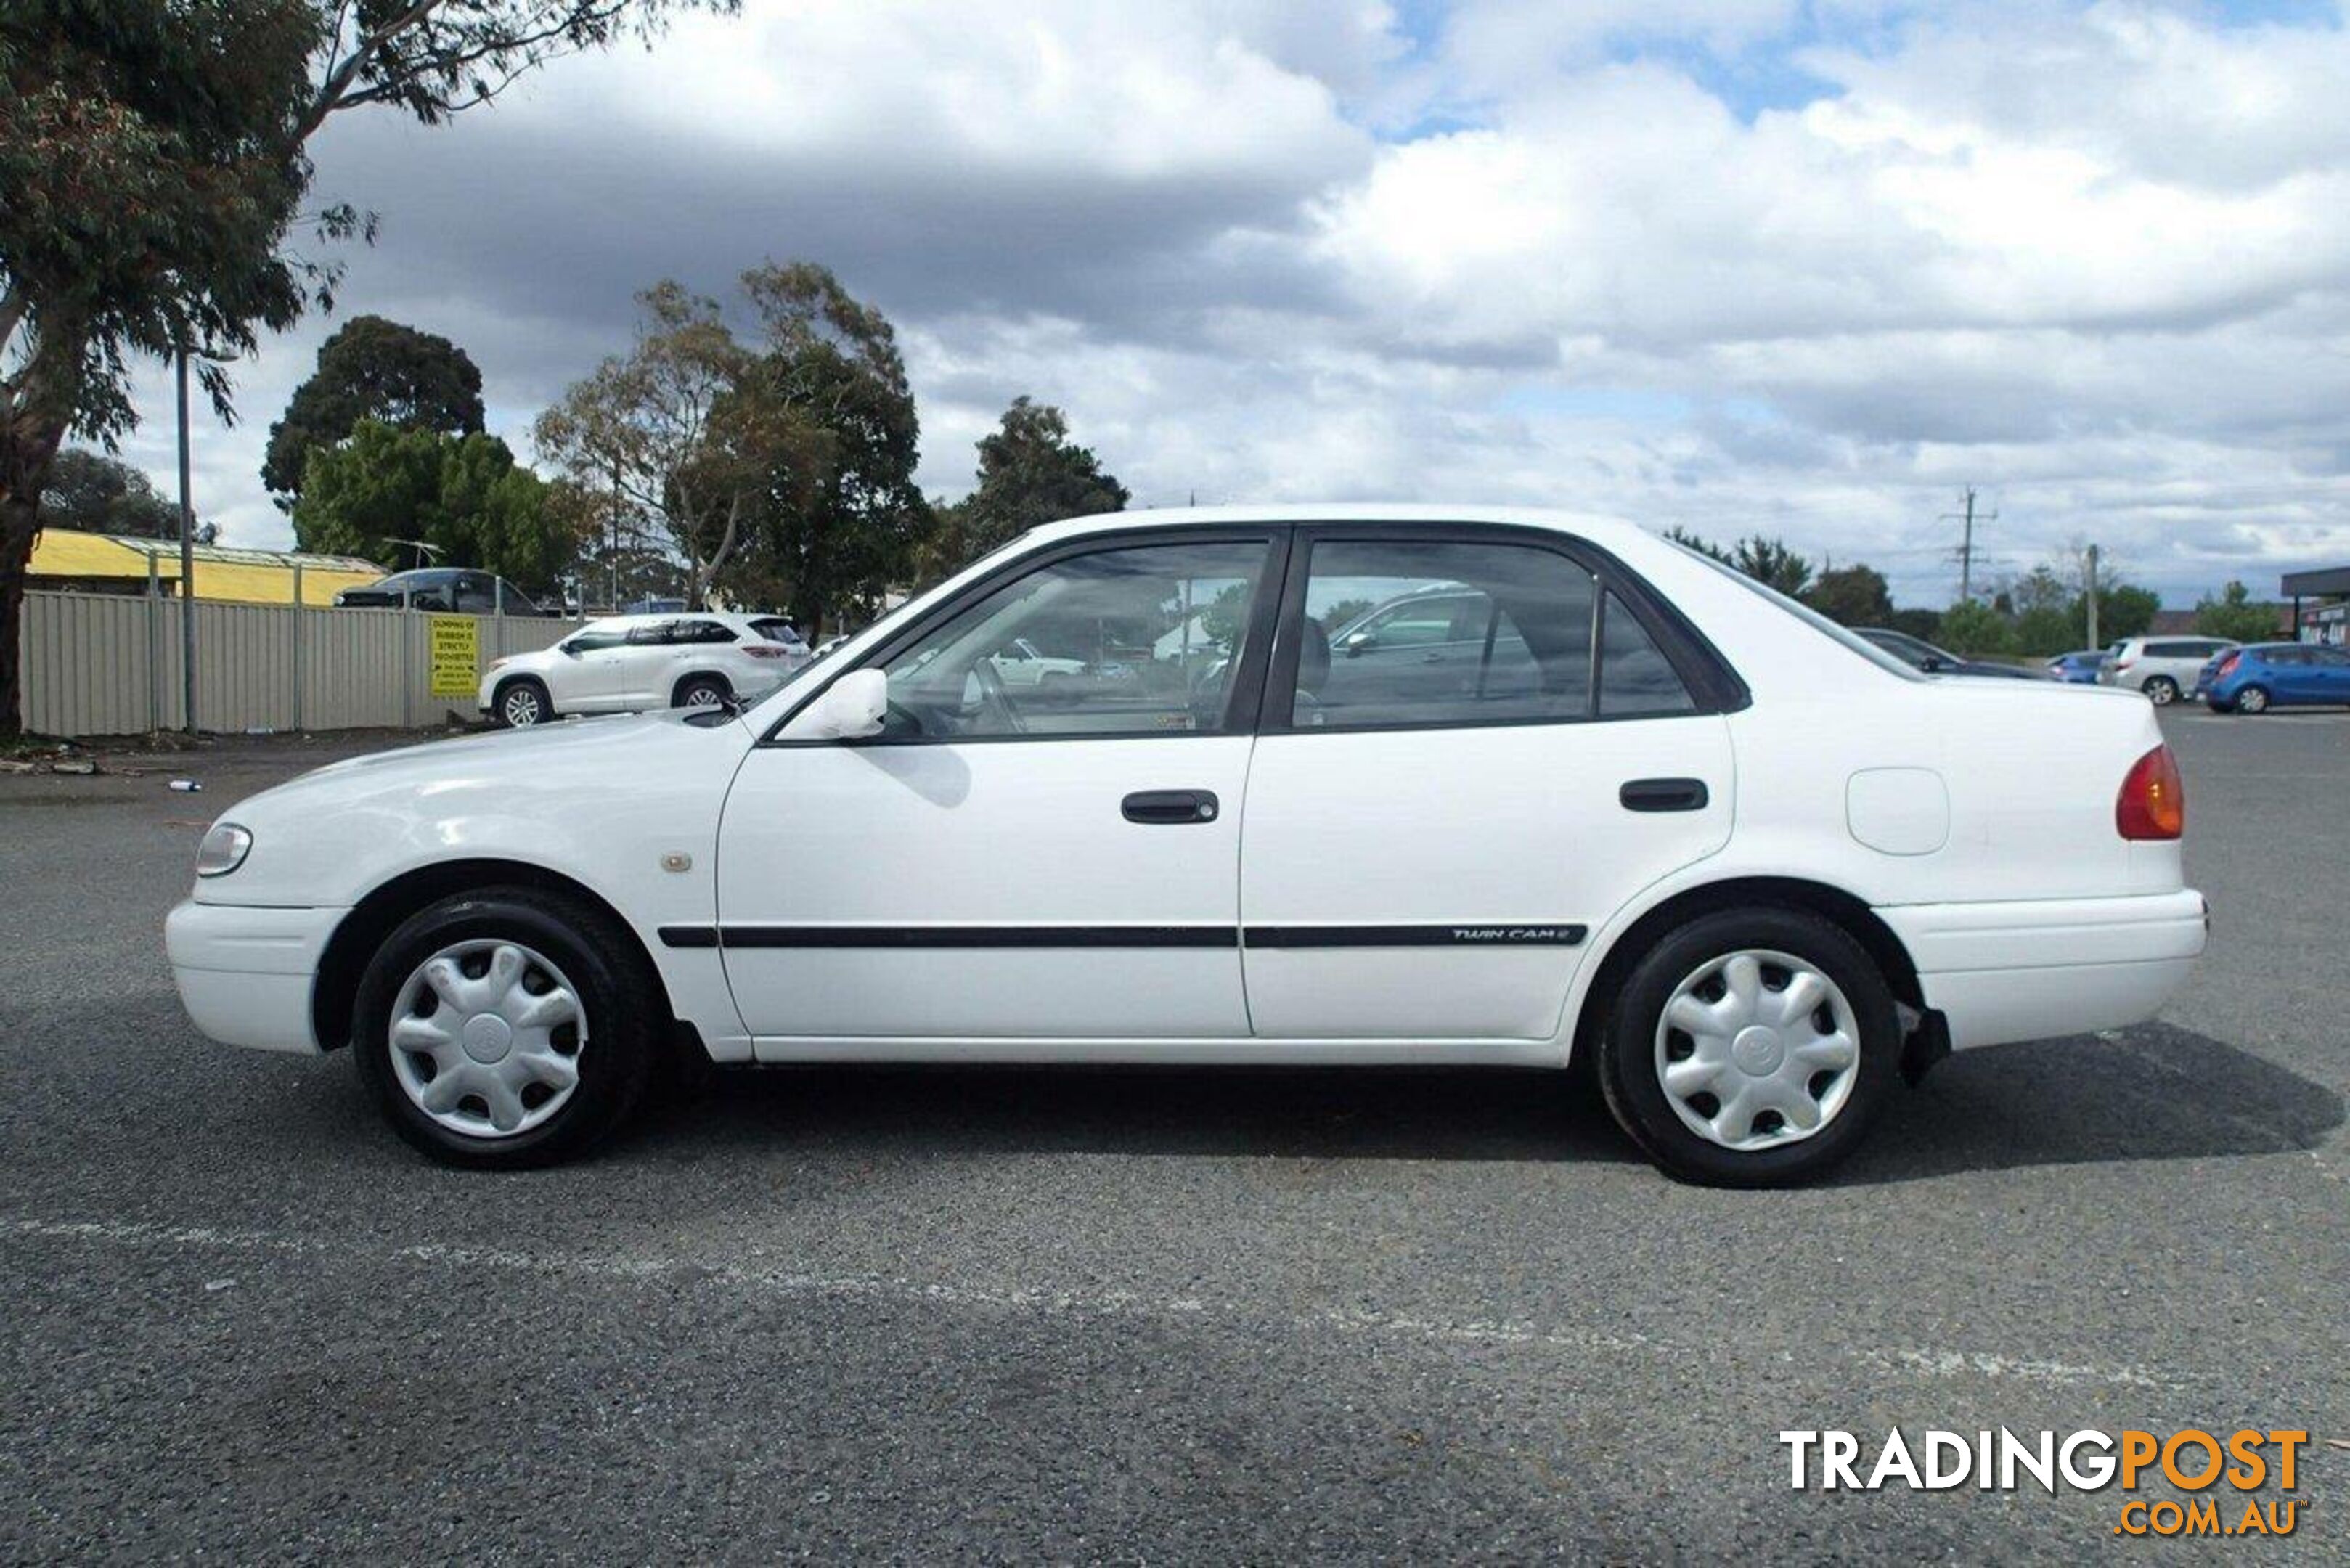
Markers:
point(948, 1314)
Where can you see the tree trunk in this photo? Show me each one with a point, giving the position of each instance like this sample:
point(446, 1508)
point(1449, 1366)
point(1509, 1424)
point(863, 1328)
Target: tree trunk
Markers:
point(18, 523)
point(25, 458)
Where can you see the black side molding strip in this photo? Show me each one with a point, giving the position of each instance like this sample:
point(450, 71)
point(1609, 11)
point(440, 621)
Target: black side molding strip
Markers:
point(1450, 934)
point(1437, 936)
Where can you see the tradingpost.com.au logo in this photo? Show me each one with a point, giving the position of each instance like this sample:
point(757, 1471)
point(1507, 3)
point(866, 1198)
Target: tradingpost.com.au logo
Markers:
point(2212, 1469)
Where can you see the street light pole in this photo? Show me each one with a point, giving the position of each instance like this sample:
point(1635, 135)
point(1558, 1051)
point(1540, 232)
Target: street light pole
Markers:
point(187, 561)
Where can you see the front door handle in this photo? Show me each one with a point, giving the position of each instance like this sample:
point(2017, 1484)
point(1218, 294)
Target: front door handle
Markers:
point(1170, 807)
point(1663, 794)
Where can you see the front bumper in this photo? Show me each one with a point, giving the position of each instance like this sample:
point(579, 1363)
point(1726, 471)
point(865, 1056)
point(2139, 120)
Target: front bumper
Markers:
point(2037, 968)
point(245, 974)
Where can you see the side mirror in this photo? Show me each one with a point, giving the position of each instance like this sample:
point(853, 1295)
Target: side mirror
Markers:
point(570, 650)
point(1360, 641)
point(1933, 664)
point(851, 708)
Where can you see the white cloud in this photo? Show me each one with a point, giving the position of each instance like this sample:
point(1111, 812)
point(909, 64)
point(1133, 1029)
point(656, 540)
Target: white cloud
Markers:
point(2093, 259)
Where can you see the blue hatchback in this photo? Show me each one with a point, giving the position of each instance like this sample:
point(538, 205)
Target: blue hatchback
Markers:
point(2264, 675)
point(2079, 668)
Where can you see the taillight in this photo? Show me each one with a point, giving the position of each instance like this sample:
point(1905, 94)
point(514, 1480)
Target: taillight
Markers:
point(2153, 802)
point(2227, 667)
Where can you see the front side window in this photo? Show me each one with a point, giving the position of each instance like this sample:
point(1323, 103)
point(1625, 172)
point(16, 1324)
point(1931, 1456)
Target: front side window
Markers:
point(1136, 640)
point(591, 638)
point(1401, 633)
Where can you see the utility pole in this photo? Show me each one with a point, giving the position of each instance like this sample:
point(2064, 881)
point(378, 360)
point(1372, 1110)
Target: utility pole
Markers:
point(187, 561)
point(1966, 552)
point(2089, 582)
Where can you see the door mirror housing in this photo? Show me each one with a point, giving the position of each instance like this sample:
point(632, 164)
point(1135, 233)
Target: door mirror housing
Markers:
point(1359, 642)
point(851, 708)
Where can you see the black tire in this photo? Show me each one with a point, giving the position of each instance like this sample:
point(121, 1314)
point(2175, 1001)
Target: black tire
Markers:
point(619, 994)
point(2162, 691)
point(1627, 1060)
point(700, 691)
point(2254, 699)
point(520, 703)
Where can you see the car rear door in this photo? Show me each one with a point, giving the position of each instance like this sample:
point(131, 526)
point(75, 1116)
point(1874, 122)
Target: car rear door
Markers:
point(1424, 863)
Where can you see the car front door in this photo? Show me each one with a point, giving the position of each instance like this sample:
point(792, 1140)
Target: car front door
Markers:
point(1424, 864)
point(585, 676)
point(1016, 863)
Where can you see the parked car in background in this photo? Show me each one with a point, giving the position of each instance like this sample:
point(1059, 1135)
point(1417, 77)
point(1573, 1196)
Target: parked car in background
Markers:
point(1020, 663)
point(2164, 668)
point(2080, 668)
point(630, 662)
point(1922, 655)
point(1755, 869)
point(2260, 676)
point(450, 590)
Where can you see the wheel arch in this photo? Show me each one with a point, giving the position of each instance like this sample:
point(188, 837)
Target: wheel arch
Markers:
point(362, 931)
point(677, 687)
point(1847, 912)
point(507, 683)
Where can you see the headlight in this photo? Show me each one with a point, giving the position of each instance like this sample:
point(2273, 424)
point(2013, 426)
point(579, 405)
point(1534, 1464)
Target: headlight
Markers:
point(224, 850)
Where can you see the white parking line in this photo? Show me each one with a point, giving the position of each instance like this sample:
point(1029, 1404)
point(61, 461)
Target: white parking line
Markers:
point(1939, 1364)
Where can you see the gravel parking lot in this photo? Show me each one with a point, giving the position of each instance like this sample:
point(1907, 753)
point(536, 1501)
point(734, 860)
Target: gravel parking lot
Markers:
point(1141, 1315)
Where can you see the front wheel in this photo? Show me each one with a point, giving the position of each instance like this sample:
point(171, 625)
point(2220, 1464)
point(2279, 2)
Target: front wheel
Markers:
point(2163, 690)
point(1751, 1048)
point(522, 703)
point(506, 1028)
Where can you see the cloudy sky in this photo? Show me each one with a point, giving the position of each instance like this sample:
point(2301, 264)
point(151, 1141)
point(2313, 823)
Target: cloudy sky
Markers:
point(1805, 268)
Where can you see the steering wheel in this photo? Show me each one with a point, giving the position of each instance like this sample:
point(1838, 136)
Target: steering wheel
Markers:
point(993, 696)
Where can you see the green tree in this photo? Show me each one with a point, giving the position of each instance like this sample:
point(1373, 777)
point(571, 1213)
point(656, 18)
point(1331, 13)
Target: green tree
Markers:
point(154, 163)
point(2235, 616)
point(840, 520)
point(1923, 623)
point(1772, 564)
point(372, 368)
point(2124, 610)
point(1689, 540)
point(95, 494)
point(1852, 596)
point(462, 494)
point(1030, 473)
point(2042, 630)
point(1971, 627)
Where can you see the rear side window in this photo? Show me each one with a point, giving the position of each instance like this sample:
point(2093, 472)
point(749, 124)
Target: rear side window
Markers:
point(776, 630)
point(1404, 633)
point(703, 631)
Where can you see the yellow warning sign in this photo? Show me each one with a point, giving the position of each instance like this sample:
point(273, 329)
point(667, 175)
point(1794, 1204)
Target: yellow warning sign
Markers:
point(456, 654)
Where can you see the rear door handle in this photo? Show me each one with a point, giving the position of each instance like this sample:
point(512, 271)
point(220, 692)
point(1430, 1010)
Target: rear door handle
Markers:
point(1663, 794)
point(1170, 807)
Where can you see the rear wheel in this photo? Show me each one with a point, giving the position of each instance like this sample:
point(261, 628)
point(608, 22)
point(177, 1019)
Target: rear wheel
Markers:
point(506, 1028)
point(2163, 690)
point(2252, 699)
point(1751, 1048)
point(522, 703)
point(700, 691)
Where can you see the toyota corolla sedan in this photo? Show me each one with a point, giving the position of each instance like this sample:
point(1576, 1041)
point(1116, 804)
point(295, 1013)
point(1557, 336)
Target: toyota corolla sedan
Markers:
point(1755, 870)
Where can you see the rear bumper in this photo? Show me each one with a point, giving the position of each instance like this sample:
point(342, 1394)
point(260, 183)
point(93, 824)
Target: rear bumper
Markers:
point(245, 974)
point(2034, 970)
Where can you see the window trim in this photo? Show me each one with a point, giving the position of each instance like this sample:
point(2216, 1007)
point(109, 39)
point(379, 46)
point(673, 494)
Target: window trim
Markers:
point(1243, 695)
point(1713, 686)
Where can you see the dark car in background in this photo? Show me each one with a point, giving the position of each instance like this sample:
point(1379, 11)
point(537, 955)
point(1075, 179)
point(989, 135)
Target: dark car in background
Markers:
point(2264, 675)
point(1919, 654)
point(449, 589)
point(2080, 668)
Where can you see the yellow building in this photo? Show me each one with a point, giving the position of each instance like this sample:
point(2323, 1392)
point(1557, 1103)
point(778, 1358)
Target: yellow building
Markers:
point(120, 564)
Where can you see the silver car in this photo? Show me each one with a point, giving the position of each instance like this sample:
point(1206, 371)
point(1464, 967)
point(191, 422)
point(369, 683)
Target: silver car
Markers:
point(2164, 668)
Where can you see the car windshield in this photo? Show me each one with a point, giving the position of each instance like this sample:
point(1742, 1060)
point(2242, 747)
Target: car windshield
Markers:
point(1841, 635)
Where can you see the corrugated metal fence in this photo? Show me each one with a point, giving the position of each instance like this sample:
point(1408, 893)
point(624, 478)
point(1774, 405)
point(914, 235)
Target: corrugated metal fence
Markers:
point(103, 664)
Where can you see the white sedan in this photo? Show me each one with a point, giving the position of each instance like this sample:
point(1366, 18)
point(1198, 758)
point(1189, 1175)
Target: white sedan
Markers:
point(625, 663)
point(1755, 870)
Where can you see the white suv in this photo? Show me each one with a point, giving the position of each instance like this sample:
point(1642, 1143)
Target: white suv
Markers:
point(628, 662)
point(2163, 667)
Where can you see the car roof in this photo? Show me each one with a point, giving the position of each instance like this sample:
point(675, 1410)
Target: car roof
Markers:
point(1597, 527)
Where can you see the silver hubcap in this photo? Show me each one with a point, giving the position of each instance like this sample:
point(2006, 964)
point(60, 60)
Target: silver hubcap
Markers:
point(701, 696)
point(2254, 699)
point(522, 706)
point(486, 1037)
point(1757, 1049)
point(2161, 691)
